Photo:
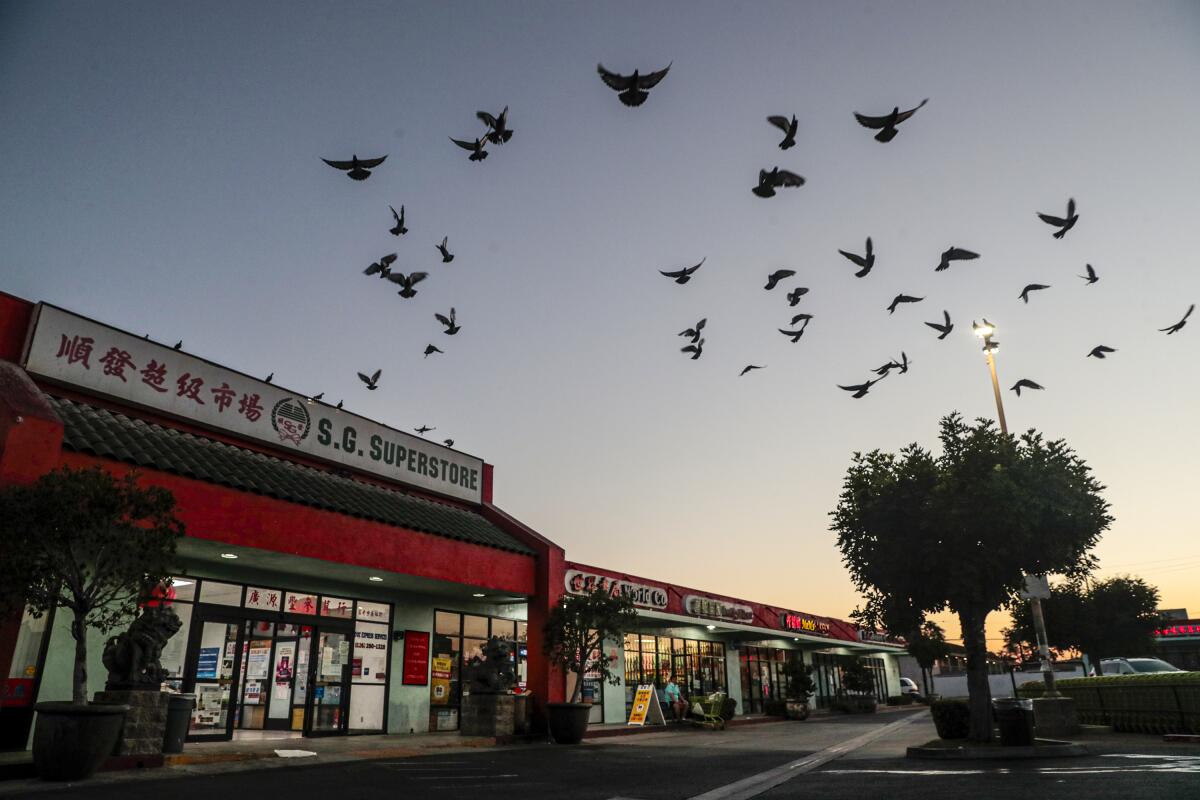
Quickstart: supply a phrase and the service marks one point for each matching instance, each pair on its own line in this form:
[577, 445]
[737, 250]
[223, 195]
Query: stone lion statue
[492, 674]
[132, 657]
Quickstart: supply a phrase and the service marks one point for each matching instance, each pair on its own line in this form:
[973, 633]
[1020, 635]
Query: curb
[1045, 748]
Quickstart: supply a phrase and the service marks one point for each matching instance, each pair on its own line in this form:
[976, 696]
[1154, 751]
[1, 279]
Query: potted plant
[800, 686]
[92, 545]
[574, 637]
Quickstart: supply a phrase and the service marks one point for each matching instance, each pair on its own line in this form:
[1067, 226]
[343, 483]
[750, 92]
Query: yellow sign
[439, 681]
[646, 707]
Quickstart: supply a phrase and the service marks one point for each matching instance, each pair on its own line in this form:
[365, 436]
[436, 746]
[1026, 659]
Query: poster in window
[439, 682]
[416, 658]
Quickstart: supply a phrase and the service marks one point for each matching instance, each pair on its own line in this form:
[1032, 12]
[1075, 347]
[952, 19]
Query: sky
[163, 176]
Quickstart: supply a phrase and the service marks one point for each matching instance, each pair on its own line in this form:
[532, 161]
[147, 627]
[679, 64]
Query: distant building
[1177, 640]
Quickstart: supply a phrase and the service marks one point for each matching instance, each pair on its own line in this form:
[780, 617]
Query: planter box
[487, 715]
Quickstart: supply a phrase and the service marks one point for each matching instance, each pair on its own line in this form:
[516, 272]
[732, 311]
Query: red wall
[14, 325]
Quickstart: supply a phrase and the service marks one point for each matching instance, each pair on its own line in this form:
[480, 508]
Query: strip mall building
[337, 573]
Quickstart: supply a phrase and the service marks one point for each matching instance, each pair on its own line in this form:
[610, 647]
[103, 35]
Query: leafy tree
[577, 628]
[86, 542]
[926, 645]
[958, 531]
[800, 685]
[1104, 619]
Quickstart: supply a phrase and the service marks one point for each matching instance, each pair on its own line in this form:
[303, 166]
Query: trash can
[1015, 718]
[179, 715]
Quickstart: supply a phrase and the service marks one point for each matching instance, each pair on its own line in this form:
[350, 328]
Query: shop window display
[456, 639]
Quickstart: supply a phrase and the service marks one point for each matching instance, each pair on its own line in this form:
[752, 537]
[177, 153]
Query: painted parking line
[763, 781]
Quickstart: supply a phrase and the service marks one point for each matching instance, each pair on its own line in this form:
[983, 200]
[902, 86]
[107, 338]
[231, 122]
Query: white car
[909, 686]
[1134, 666]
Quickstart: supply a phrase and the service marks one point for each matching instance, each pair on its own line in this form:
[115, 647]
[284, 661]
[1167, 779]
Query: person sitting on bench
[675, 701]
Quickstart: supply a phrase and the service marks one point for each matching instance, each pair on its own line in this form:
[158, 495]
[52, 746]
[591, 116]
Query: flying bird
[954, 254]
[476, 147]
[793, 297]
[448, 442]
[500, 132]
[694, 333]
[945, 327]
[902, 298]
[1063, 224]
[1091, 276]
[796, 334]
[775, 277]
[407, 282]
[357, 169]
[777, 178]
[632, 88]
[788, 128]
[1024, 383]
[382, 267]
[1033, 287]
[1178, 326]
[431, 349]
[901, 366]
[452, 327]
[371, 382]
[447, 256]
[886, 125]
[424, 429]
[749, 367]
[802, 318]
[682, 276]
[866, 262]
[398, 229]
[695, 349]
[178, 345]
[1101, 351]
[860, 389]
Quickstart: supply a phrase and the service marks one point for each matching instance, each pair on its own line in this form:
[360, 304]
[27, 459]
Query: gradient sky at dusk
[162, 175]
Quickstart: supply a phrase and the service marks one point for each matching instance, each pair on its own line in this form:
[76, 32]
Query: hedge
[1162, 702]
[952, 717]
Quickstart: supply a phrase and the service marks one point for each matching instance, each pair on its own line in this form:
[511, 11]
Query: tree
[857, 678]
[1104, 619]
[800, 685]
[86, 542]
[577, 628]
[921, 533]
[926, 645]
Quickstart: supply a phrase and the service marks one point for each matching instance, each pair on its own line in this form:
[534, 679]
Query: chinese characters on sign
[712, 608]
[641, 594]
[804, 624]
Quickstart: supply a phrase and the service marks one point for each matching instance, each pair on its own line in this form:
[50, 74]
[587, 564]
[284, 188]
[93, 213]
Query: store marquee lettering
[639, 594]
[718, 609]
[394, 454]
[799, 622]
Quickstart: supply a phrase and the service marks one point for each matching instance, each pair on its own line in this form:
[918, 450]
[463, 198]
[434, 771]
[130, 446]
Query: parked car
[1134, 666]
[909, 686]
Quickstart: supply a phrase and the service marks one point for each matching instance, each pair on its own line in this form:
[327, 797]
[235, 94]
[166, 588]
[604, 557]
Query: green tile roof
[105, 433]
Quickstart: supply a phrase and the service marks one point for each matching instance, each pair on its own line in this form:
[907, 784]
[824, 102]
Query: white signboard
[711, 607]
[74, 350]
[641, 594]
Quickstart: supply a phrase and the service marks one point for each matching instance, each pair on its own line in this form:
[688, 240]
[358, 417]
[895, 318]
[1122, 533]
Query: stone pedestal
[487, 715]
[145, 724]
[1055, 717]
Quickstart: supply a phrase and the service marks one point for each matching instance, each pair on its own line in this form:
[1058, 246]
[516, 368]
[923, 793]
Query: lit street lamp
[986, 331]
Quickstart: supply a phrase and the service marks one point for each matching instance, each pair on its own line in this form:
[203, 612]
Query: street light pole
[985, 332]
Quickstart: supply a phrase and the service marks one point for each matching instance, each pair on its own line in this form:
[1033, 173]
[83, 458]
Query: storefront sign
[879, 637]
[74, 350]
[1178, 630]
[267, 599]
[439, 678]
[640, 594]
[645, 707]
[712, 608]
[416, 658]
[804, 624]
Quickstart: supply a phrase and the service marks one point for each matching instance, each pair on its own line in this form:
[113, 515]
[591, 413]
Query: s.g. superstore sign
[76, 351]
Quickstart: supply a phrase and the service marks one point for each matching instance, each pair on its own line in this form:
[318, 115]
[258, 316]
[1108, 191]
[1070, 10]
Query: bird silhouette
[1178, 326]
[696, 349]
[382, 267]
[788, 128]
[178, 345]
[682, 276]
[407, 282]
[1101, 351]
[1063, 224]
[1033, 287]
[777, 178]
[317, 396]
[954, 254]
[775, 277]
[1091, 276]
[476, 147]
[902, 298]
[447, 256]
[448, 442]
[866, 262]
[500, 132]
[945, 327]
[339, 405]
[886, 125]
[357, 169]
[796, 334]
[901, 366]
[1024, 383]
[749, 367]
[424, 429]
[269, 378]
[632, 89]
[398, 229]
[860, 389]
[802, 318]
[372, 382]
[793, 297]
[694, 333]
[452, 327]
[431, 349]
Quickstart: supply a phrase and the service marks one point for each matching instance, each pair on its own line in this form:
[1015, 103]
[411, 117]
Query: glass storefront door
[329, 683]
[214, 668]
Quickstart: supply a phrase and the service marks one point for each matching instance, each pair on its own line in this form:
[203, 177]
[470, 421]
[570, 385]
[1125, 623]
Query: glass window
[374, 612]
[505, 629]
[223, 594]
[337, 607]
[264, 599]
[447, 623]
[174, 651]
[369, 664]
[475, 626]
[301, 603]
[182, 589]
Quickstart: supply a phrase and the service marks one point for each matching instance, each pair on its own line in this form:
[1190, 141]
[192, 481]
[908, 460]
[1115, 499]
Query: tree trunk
[79, 678]
[980, 694]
